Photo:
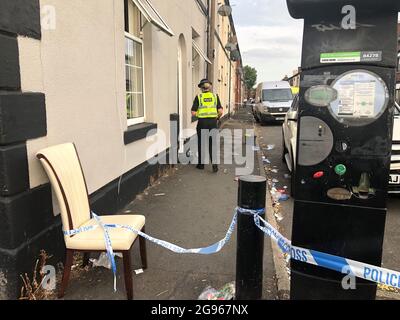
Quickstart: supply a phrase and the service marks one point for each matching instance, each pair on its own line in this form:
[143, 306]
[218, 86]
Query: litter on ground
[270, 147]
[161, 293]
[103, 260]
[227, 292]
[284, 197]
[278, 216]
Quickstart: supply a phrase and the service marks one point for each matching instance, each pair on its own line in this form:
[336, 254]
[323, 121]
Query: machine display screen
[362, 98]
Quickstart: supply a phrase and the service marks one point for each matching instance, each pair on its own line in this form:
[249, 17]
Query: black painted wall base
[27, 222]
[14, 263]
[9, 64]
[108, 201]
[14, 172]
[21, 17]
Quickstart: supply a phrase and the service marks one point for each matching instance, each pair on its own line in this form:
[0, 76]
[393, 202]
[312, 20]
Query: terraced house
[102, 74]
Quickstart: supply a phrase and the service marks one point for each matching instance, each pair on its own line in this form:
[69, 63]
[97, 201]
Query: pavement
[190, 208]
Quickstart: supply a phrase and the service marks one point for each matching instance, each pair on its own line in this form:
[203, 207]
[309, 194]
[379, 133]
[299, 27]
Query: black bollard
[250, 140]
[250, 240]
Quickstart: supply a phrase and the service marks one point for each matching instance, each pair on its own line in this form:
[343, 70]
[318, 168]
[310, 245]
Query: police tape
[343, 265]
[215, 248]
[332, 262]
[110, 252]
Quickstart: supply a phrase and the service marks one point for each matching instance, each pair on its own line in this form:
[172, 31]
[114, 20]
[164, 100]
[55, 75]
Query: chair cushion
[121, 239]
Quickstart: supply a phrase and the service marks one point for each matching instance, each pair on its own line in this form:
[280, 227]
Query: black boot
[200, 166]
[215, 168]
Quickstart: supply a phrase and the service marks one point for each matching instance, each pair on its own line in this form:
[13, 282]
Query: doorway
[181, 90]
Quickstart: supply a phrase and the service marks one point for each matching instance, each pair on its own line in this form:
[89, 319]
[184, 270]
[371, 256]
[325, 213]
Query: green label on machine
[349, 57]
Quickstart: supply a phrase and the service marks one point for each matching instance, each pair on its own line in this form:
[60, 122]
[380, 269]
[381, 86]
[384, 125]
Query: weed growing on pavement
[33, 289]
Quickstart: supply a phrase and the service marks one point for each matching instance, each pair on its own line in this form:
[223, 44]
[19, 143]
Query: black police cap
[203, 82]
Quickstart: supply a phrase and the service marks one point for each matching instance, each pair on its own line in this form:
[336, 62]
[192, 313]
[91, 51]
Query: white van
[273, 101]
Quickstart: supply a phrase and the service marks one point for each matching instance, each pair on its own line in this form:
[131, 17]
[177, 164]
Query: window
[137, 12]
[134, 80]
[135, 102]
[276, 95]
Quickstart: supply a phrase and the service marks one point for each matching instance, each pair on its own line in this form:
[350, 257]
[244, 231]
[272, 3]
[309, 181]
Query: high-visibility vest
[207, 106]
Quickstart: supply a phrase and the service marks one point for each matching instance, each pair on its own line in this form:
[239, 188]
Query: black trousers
[207, 128]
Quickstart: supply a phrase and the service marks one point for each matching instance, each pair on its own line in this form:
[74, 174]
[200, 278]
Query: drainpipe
[208, 35]
[211, 47]
[230, 89]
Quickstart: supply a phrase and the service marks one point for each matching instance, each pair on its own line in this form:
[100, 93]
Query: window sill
[138, 132]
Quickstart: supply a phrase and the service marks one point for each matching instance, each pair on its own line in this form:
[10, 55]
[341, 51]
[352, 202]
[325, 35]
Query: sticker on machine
[357, 99]
[351, 57]
[364, 98]
[346, 99]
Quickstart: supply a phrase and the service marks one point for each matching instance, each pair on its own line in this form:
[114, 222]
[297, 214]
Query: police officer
[208, 109]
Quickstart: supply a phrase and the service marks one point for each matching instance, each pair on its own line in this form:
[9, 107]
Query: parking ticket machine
[344, 139]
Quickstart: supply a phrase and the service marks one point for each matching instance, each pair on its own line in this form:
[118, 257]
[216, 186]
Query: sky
[269, 38]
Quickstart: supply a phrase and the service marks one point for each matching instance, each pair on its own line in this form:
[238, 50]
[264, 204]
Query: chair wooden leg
[128, 274]
[143, 250]
[85, 261]
[67, 271]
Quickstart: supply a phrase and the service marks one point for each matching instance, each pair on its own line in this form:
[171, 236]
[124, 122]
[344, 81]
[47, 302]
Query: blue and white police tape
[110, 252]
[215, 248]
[346, 266]
[336, 263]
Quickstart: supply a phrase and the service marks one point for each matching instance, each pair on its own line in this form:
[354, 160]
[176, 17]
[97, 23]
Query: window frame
[139, 120]
[263, 93]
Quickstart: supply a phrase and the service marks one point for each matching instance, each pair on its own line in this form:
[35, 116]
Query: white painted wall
[80, 68]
